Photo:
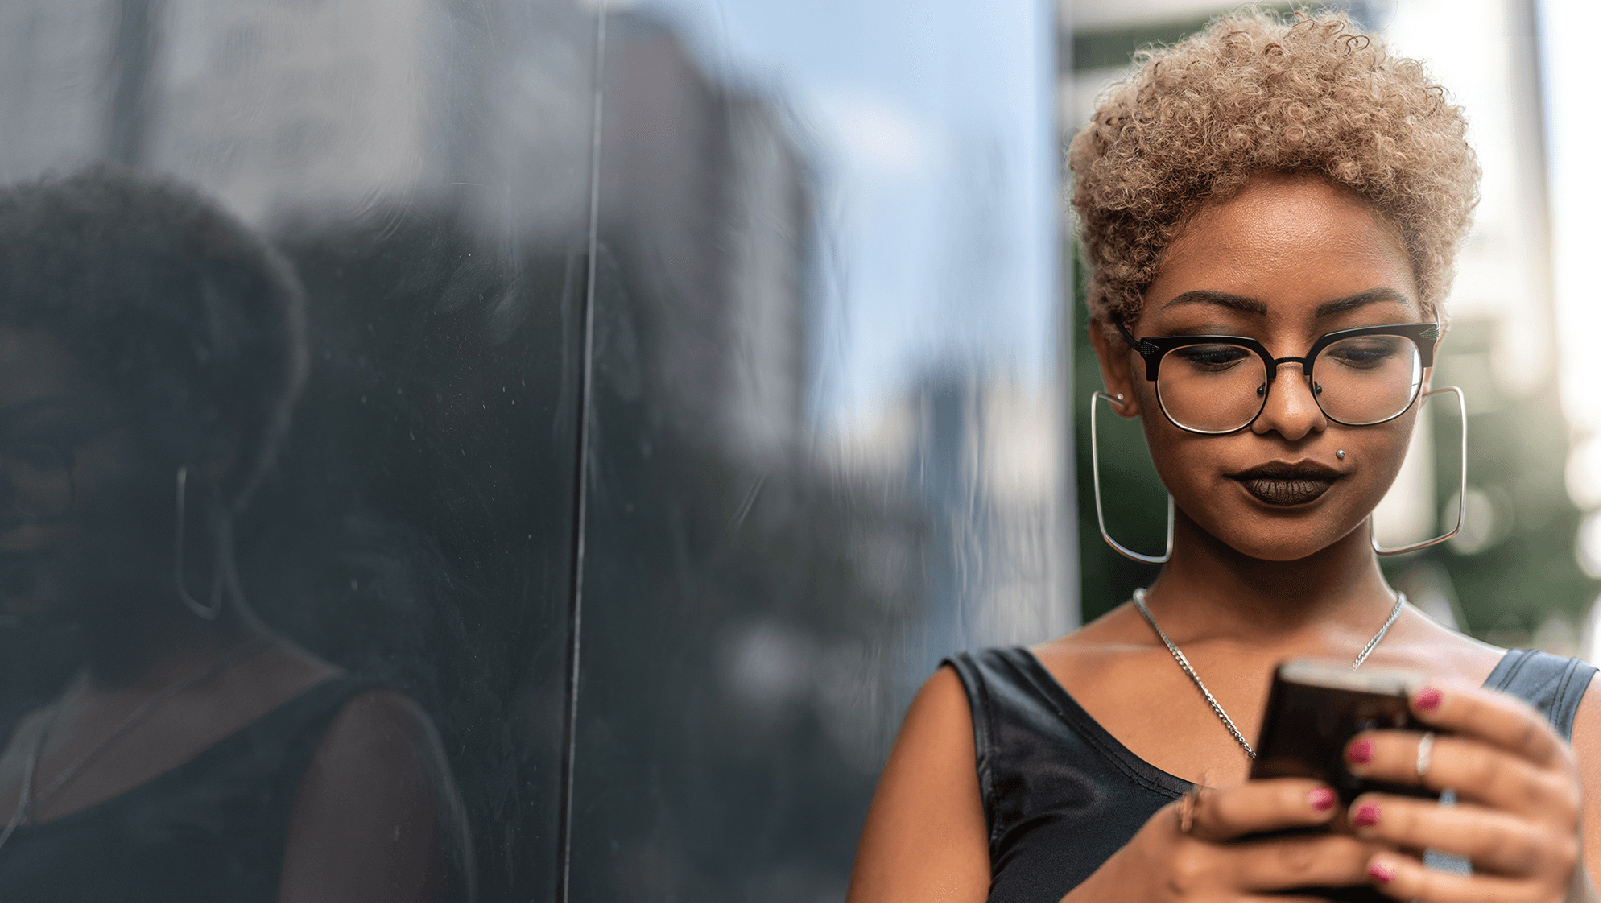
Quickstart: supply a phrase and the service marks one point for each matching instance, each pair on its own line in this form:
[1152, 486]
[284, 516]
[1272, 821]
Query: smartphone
[1314, 708]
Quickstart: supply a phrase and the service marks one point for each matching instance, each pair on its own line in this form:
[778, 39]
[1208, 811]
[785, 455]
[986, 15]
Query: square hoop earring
[1462, 487]
[1095, 472]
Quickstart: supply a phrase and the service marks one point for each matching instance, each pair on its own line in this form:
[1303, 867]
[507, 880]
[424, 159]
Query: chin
[1287, 542]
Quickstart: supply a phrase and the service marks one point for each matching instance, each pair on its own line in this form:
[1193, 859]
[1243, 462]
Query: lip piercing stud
[1340, 454]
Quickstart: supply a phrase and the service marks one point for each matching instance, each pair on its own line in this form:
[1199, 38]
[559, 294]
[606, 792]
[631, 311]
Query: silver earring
[1462, 489]
[1095, 472]
[1340, 454]
[205, 612]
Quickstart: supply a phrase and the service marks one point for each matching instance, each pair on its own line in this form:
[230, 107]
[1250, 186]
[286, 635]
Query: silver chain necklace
[1139, 602]
[28, 800]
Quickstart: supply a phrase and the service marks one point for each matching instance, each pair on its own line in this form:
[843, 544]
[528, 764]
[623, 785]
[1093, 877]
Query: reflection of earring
[1095, 471]
[206, 612]
[1462, 489]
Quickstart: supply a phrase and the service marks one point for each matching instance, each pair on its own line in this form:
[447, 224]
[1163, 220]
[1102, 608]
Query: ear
[1117, 367]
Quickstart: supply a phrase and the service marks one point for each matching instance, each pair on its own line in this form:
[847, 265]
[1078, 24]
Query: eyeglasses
[1219, 384]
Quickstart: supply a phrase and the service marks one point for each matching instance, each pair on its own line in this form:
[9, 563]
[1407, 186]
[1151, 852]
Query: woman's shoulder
[925, 832]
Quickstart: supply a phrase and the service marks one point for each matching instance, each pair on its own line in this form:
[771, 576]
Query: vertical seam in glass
[581, 476]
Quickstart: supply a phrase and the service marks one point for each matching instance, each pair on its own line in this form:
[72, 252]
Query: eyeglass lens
[1222, 387]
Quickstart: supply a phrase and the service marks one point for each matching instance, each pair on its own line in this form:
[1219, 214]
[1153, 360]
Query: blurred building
[979, 455]
[710, 184]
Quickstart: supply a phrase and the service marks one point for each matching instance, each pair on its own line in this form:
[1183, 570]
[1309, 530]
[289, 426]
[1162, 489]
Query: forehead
[1292, 243]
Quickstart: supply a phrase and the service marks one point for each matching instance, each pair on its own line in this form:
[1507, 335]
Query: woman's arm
[925, 839]
[376, 817]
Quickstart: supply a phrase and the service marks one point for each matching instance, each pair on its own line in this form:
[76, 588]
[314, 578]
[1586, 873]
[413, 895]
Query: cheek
[1184, 461]
[1382, 449]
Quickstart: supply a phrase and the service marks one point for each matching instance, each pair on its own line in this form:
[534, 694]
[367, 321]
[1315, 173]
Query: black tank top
[1061, 794]
[212, 829]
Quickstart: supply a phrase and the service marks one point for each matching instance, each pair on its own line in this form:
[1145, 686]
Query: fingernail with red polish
[1366, 816]
[1360, 752]
[1322, 799]
[1381, 873]
[1429, 698]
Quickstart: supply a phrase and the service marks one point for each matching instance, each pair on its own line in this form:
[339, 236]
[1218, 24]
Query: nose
[1291, 410]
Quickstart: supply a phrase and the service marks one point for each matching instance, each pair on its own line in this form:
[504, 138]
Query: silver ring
[1425, 754]
[1187, 810]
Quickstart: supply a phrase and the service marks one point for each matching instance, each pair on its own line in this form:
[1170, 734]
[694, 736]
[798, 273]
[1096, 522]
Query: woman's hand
[1200, 854]
[1518, 802]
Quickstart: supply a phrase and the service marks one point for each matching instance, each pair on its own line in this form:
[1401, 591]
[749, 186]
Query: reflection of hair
[1252, 94]
[168, 301]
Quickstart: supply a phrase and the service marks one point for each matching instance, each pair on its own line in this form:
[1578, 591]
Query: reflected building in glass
[656, 457]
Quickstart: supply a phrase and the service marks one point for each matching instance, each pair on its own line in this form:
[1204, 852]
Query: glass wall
[825, 441]
[675, 384]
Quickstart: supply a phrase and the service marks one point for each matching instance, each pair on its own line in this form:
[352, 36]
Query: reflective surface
[827, 420]
[684, 383]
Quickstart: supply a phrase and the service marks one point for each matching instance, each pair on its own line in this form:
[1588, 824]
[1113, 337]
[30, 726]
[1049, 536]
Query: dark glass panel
[826, 425]
[424, 165]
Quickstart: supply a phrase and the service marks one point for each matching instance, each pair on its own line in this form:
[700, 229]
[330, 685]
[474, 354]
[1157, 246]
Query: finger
[1287, 863]
[1404, 878]
[1498, 719]
[1477, 771]
[1255, 806]
[1493, 841]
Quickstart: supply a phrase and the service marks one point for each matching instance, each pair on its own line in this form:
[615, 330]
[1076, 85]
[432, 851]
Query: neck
[1209, 589]
[156, 647]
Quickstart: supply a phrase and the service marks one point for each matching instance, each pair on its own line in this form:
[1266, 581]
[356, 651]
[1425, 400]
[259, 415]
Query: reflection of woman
[150, 351]
[1295, 196]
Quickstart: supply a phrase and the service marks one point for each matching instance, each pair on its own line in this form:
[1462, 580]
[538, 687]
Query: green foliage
[1524, 569]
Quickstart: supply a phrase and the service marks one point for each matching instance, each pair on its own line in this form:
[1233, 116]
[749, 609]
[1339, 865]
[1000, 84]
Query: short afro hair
[1253, 94]
[183, 313]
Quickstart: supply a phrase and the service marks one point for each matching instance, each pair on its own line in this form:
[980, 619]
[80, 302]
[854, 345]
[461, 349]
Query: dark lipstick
[1287, 485]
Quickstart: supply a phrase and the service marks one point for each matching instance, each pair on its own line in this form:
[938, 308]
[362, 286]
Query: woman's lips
[1287, 485]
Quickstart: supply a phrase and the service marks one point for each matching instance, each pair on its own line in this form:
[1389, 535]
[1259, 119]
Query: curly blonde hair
[1254, 94]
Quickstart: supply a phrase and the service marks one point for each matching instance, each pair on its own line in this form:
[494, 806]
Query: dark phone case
[1306, 728]
[1304, 734]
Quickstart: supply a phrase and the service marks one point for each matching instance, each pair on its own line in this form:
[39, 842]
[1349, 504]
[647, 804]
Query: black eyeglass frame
[1424, 336]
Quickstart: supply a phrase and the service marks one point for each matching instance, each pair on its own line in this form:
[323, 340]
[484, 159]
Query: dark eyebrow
[1223, 299]
[1257, 308]
[1361, 299]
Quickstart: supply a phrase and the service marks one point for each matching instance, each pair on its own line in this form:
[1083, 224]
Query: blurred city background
[691, 376]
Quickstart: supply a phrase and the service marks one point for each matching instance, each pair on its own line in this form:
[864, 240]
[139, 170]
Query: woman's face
[79, 519]
[1285, 261]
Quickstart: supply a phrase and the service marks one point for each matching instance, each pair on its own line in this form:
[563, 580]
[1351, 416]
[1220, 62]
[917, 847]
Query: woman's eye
[1211, 357]
[1366, 353]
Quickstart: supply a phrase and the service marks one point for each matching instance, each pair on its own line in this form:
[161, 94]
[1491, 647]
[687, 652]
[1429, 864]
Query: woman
[1296, 188]
[151, 349]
